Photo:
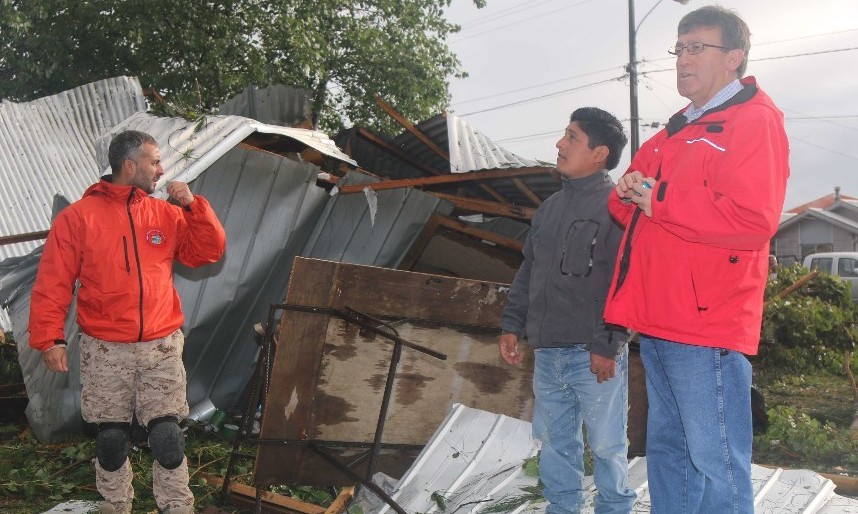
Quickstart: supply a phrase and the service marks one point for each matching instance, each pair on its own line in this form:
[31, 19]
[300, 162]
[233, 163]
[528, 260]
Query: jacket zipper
[137, 259]
[125, 251]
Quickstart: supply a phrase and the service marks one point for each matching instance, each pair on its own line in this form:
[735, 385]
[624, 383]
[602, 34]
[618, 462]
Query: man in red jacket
[700, 202]
[118, 244]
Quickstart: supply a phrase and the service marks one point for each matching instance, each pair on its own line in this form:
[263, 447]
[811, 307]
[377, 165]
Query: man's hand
[642, 195]
[180, 193]
[626, 182]
[603, 367]
[57, 359]
[508, 344]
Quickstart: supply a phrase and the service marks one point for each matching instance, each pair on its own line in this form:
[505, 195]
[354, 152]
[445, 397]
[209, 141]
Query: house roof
[820, 214]
[823, 202]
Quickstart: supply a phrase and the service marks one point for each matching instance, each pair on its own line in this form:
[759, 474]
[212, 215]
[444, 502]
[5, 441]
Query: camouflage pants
[147, 379]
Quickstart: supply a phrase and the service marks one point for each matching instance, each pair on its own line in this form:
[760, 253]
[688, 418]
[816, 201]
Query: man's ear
[600, 154]
[735, 58]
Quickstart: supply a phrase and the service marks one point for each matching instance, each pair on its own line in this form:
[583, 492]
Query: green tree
[200, 52]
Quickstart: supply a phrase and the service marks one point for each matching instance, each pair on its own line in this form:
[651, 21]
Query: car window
[847, 267]
[822, 264]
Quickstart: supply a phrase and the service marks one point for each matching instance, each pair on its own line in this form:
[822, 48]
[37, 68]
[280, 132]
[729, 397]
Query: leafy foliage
[10, 371]
[201, 53]
[797, 438]
[811, 327]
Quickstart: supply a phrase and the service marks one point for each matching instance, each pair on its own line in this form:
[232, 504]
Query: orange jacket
[119, 244]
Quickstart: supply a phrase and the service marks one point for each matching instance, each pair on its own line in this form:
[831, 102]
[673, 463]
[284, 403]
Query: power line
[793, 138]
[519, 22]
[502, 93]
[542, 97]
[503, 13]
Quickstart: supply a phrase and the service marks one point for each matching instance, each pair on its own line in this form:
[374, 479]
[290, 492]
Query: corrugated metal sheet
[469, 150]
[188, 148]
[274, 105]
[46, 148]
[474, 463]
[372, 228]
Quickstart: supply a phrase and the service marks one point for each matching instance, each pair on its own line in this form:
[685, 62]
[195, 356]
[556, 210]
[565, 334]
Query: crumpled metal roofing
[188, 148]
[46, 148]
[273, 105]
[474, 463]
[468, 150]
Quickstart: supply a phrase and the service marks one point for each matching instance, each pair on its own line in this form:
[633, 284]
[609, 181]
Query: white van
[842, 264]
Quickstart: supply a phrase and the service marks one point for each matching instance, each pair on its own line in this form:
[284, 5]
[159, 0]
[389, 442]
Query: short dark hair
[734, 31]
[126, 145]
[602, 129]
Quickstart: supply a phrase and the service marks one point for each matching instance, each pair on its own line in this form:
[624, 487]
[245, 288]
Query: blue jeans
[699, 430]
[567, 394]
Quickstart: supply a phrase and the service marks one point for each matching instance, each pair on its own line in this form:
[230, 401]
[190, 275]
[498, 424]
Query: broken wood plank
[23, 238]
[431, 144]
[267, 496]
[471, 176]
[487, 207]
[341, 501]
[537, 201]
[411, 128]
[499, 240]
[384, 145]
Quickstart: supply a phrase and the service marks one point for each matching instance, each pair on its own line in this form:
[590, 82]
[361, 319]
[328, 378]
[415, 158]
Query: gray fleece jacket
[558, 295]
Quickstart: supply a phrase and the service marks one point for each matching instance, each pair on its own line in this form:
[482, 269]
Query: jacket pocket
[577, 258]
[719, 275]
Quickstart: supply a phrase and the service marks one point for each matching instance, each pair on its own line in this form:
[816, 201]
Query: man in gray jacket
[556, 303]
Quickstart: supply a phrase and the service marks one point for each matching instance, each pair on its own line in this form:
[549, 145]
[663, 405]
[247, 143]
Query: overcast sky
[571, 52]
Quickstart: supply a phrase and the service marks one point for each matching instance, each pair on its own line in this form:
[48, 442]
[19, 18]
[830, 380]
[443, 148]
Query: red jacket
[695, 272]
[119, 244]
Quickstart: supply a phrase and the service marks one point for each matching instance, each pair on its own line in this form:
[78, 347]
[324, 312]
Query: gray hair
[734, 31]
[126, 145]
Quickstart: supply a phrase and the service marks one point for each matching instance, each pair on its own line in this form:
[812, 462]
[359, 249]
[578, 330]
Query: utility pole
[632, 68]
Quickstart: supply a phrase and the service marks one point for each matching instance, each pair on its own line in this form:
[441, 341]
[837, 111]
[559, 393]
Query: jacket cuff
[57, 343]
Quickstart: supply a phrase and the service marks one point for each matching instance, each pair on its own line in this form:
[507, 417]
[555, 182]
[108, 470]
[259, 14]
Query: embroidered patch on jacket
[155, 237]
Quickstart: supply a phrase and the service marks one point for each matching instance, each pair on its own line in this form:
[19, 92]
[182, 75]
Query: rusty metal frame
[259, 392]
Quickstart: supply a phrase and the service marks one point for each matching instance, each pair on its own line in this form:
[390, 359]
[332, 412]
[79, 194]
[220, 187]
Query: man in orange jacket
[118, 244]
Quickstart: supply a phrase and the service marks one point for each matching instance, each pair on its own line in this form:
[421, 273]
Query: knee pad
[112, 445]
[167, 442]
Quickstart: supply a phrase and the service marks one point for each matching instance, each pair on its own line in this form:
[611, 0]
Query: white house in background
[827, 224]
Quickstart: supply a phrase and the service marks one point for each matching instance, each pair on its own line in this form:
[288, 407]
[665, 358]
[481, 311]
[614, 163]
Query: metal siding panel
[46, 148]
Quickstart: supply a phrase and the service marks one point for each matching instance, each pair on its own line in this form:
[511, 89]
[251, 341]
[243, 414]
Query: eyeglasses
[693, 48]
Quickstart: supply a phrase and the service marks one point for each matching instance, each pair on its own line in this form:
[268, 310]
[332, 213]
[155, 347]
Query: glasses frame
[677, 50]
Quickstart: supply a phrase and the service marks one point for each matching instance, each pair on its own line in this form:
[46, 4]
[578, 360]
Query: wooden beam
[486, 207]
[384, 145]
[499, 240]
[23, 238]
[537, 201]
[402, 155]
[267, 496]
[341, 501]
[448, 179]
[411, 128]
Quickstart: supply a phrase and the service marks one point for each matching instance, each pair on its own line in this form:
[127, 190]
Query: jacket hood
[107, 189]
